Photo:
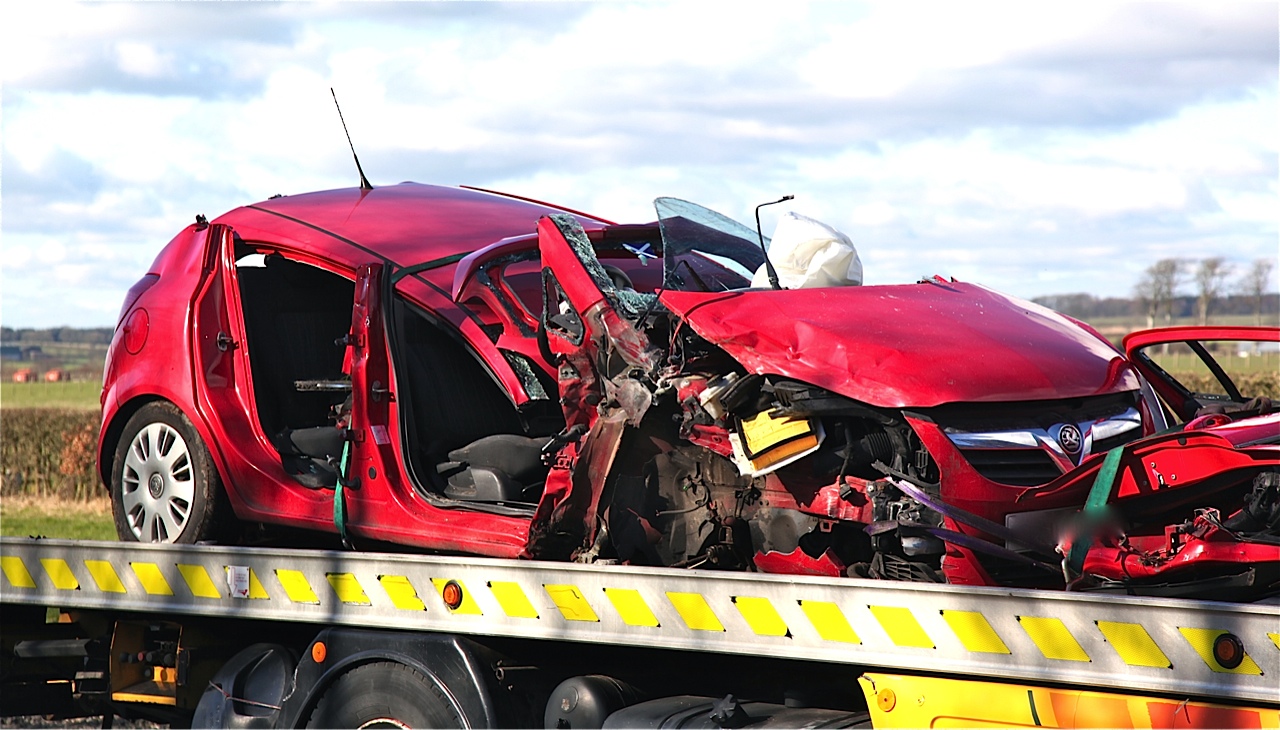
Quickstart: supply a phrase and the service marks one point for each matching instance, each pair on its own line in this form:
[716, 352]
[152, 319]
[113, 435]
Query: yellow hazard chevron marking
[975, 632]
[16, 571]
[105, 576]
[198, 580]
[256, 589]
[152, 579]
[901, 626]
[348, 589]
[295, 586]
[512, 599]
[1202, 641]
[761, 616]
[693, 608]
[402, 593]
[60, 574]
[1053, 638]
[572, 604]
[1275, 639]
[469, 607]
[829, 622]
[1134, 645]
[631, 607]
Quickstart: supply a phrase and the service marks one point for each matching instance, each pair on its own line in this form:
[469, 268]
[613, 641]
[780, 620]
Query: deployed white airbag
[809, 254]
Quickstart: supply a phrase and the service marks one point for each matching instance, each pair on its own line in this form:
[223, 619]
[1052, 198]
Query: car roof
[403, 224]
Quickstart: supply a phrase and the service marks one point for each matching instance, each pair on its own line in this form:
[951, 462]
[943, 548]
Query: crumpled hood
[904, 346]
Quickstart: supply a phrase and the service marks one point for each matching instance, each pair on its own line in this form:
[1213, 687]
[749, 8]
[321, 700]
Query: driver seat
[499, 468]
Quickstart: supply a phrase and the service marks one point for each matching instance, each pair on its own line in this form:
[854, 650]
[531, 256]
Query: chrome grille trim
[1121, 427]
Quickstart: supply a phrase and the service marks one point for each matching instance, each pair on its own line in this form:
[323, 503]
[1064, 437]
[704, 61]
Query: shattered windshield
[703, 250]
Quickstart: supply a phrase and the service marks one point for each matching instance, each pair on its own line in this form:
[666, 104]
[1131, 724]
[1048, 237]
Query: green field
[1180, 360]
[1137, 322]
[82, 395]
[56, 518]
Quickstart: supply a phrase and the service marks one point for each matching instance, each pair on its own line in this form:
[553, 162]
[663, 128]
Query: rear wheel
[384, 695]
[164, 486]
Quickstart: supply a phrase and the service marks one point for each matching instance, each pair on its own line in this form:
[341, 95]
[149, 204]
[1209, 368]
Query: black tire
[164, 485]
[384, 695]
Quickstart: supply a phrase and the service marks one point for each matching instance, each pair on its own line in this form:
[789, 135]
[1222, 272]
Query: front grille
[1102, 446]
[1015, 467]
[1026, 444]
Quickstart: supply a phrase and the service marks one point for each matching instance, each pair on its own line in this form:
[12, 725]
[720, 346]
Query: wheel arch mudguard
[269, 685]
[462, 669]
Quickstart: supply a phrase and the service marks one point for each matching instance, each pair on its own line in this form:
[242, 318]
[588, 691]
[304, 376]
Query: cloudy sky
[1037, 148]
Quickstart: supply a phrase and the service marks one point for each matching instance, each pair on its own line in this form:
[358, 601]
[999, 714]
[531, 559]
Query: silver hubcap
[157, 484]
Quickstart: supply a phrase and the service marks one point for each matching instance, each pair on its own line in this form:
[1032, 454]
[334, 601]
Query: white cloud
[1027, 145]
[877, 213]
[899, 44]
[142, 59]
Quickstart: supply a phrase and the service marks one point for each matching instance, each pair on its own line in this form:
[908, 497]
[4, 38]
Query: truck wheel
[164, 486]
[385, 695]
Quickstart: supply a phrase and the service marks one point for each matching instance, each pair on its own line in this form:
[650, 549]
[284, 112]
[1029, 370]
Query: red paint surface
[914, 345]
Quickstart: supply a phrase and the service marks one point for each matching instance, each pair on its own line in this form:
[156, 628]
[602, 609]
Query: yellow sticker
[152, 580]
[60, 573]
[830, 622]
[695, 611]
[198, 580]
[975, 632]
[512, 599]
[1053, 638]
[402, 593]
[762, 431]
[348, 589]
[572, 604]
[761, 616]
[631, 607]
[105, 576]
[902, 627]
[1134, 645]
[16, 571]
[296, 586]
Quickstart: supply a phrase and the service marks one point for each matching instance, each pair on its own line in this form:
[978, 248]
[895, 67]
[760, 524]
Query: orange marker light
[318, 652]
[452, 595]
[1228, 651]
[886, 699]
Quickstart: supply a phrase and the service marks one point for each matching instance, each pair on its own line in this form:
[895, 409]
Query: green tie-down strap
[1095, 507]
[339, 502]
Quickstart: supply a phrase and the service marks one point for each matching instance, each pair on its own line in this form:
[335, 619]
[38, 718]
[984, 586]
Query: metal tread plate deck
[1125, 643]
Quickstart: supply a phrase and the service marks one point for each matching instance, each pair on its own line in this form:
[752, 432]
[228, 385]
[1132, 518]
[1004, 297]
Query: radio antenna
[768, 265]
[364, 181]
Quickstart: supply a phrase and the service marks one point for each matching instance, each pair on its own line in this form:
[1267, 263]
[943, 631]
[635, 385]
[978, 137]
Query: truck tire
[164, 485]
[384, 695]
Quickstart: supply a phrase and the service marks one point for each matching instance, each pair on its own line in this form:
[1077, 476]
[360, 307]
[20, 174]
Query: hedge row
[1251, 385]
[48, 452]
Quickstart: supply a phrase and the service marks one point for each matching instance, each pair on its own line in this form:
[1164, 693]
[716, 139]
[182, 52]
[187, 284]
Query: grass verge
[81, 395]
[24, 516]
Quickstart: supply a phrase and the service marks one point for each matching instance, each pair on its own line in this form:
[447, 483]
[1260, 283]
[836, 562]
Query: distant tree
[39, 335]
[1255, 283]
[1210, 277]
[1077, 305]
[1158, 288]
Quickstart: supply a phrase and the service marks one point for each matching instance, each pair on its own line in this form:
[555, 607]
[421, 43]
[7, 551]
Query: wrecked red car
[460, 371]
[1194, 511]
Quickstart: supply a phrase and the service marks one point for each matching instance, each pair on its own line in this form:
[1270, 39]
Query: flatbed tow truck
[213, 636]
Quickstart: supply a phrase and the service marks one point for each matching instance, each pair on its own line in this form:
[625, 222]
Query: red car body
[1195, 511]
[494, 376]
